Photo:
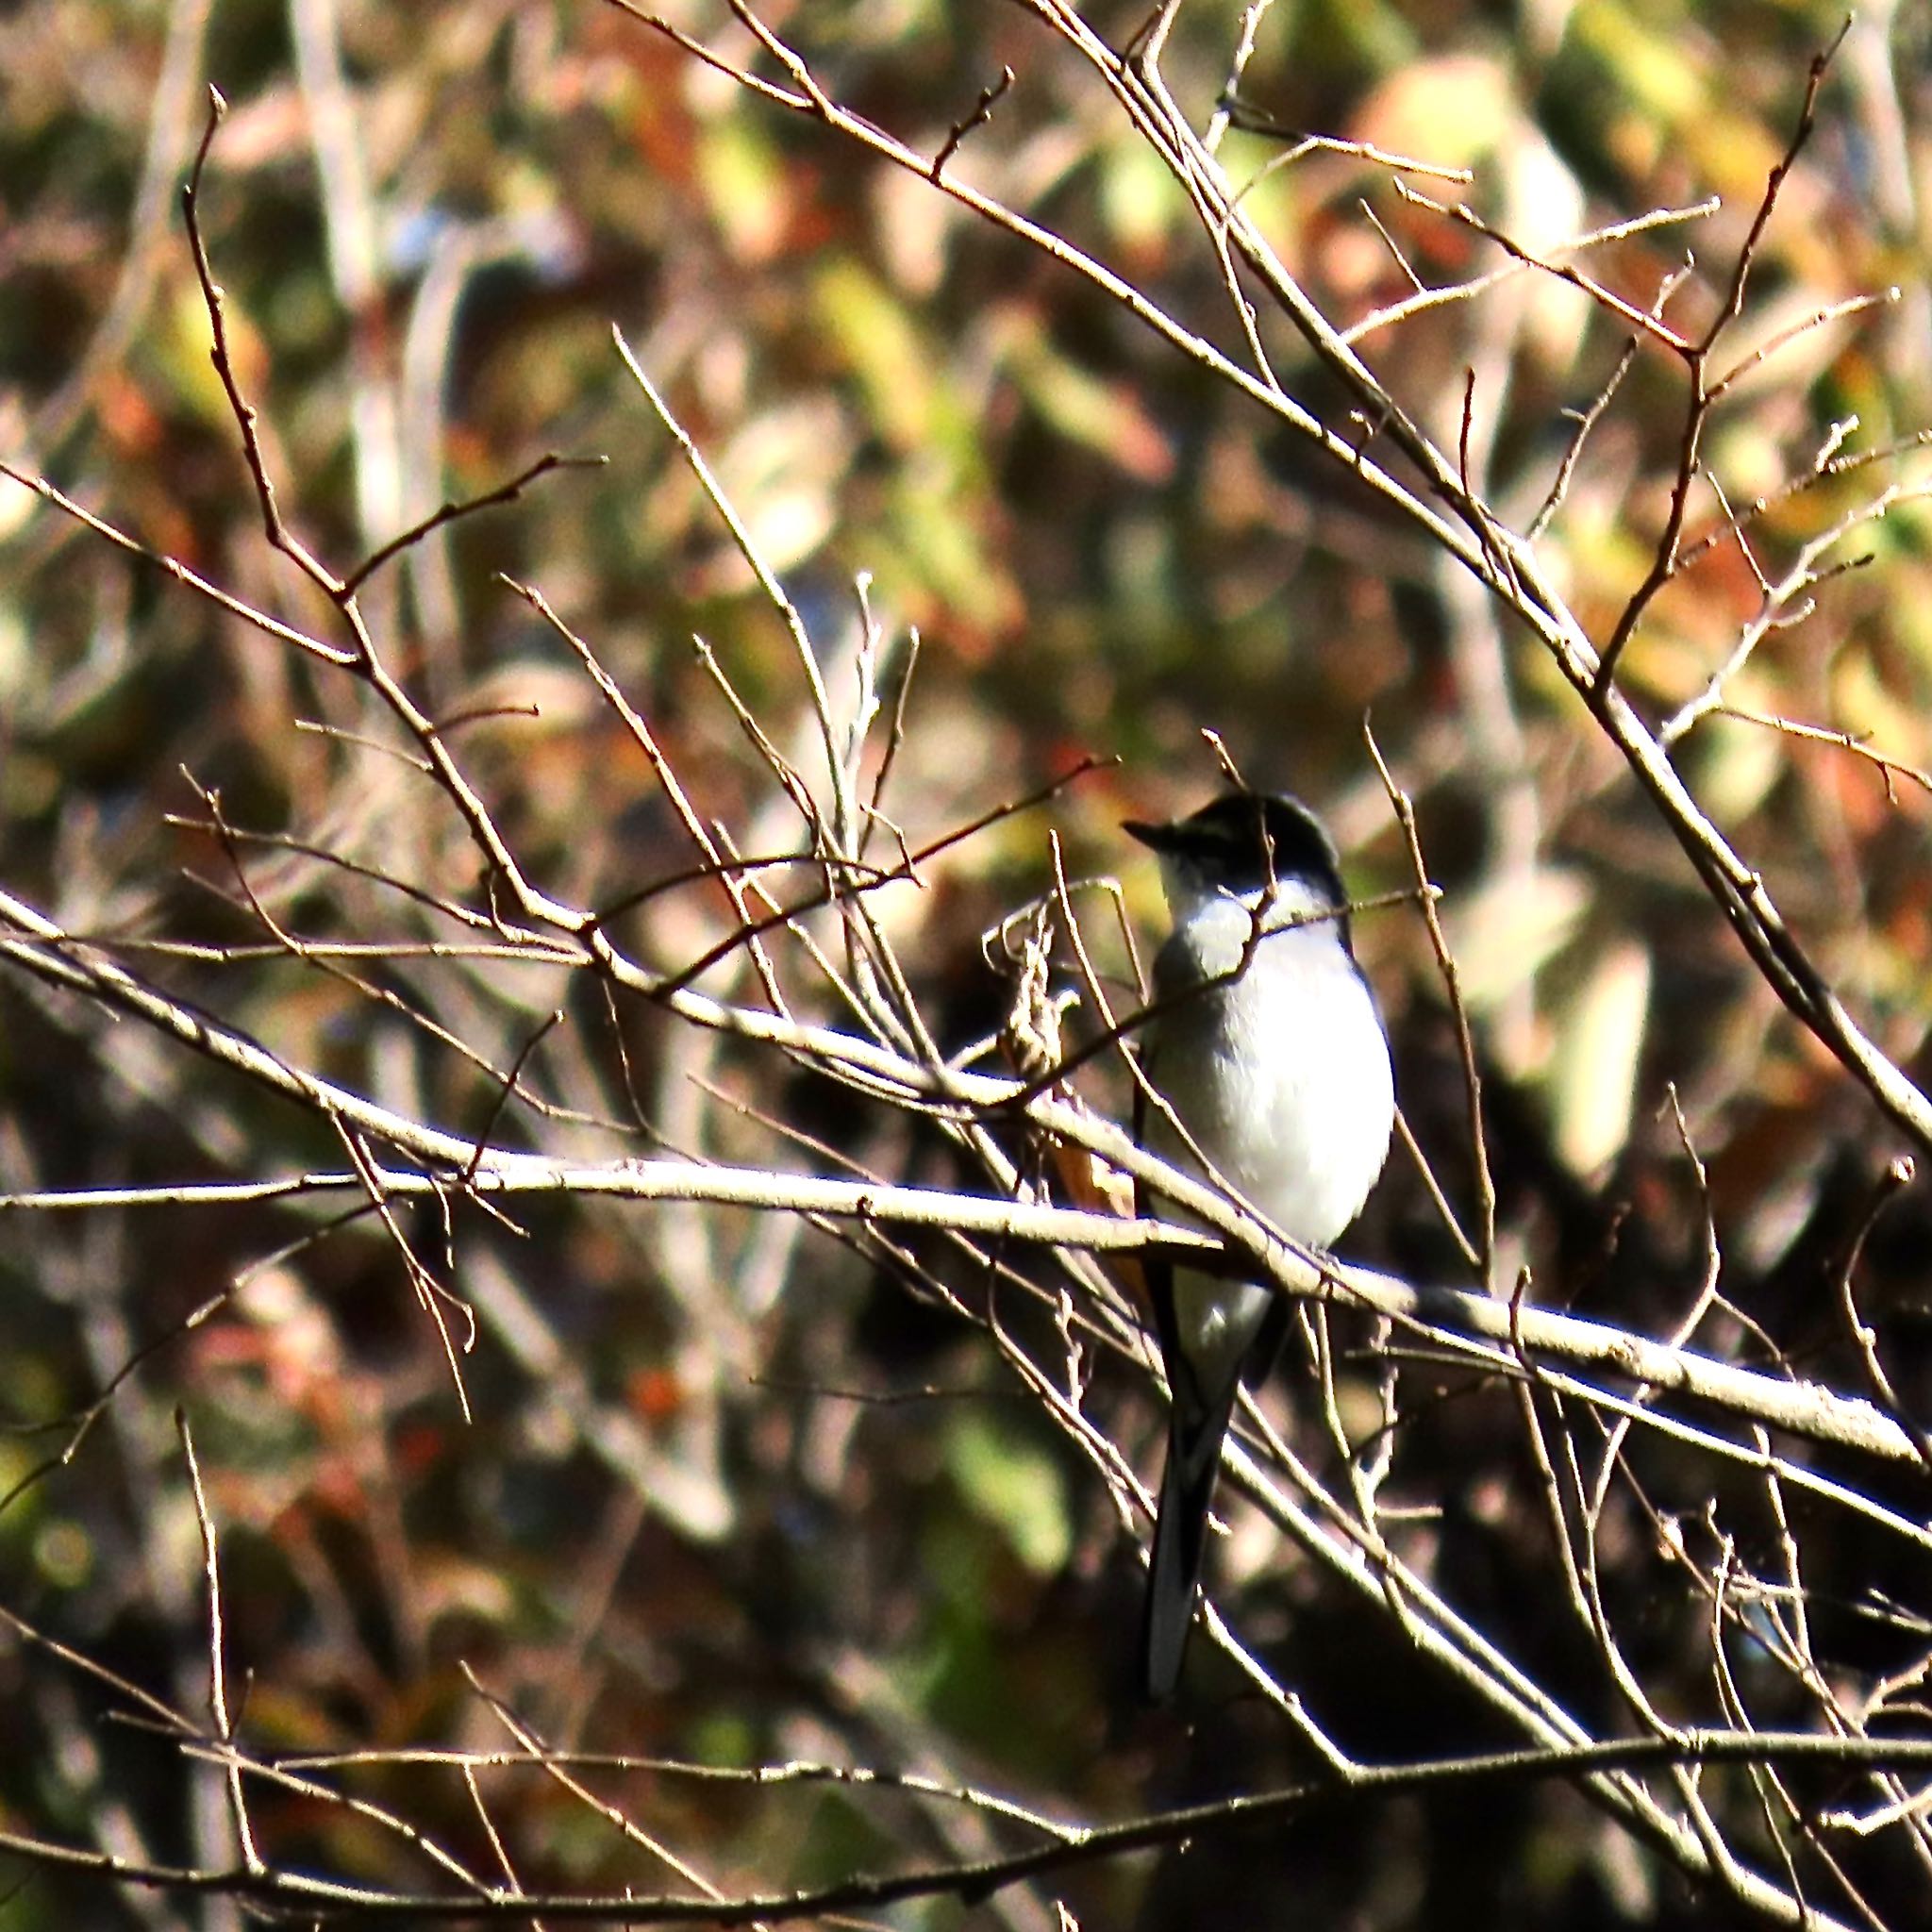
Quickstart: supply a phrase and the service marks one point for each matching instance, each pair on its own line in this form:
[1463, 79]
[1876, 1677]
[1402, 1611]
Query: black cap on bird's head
[1245, 842]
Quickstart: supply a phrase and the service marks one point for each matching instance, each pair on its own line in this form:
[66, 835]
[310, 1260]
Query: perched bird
[1267, 1047]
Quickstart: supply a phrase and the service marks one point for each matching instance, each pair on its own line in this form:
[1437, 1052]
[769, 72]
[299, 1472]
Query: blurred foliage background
[699, 1513]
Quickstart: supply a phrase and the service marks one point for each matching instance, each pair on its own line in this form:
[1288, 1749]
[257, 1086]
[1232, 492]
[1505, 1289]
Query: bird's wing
[1202, 1398]
[1174, 1568]
[1204, 1384]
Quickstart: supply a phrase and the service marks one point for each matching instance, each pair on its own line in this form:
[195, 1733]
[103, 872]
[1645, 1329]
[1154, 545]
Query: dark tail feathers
[1180, 1538]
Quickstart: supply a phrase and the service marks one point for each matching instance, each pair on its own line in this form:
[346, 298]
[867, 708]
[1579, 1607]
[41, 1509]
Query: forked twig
[1699, 394]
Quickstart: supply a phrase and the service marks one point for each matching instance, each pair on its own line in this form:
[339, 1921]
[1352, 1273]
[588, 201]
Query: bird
[1269, 1054]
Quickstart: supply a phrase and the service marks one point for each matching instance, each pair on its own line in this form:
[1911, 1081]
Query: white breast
[1281, 1077]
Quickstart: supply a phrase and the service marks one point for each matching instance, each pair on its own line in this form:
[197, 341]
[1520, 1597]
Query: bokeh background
[733, 1491]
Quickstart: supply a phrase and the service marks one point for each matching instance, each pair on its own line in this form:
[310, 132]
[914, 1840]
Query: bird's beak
[1159, 838]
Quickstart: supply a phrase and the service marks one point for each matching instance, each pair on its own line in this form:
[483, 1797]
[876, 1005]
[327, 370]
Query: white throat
[1217, 927]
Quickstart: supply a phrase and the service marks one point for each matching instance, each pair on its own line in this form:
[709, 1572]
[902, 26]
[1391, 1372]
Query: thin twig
[450, 511]
[977, 116]
[1425, 897]
[217, 1648]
